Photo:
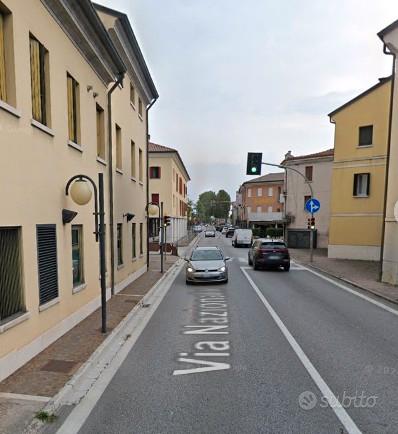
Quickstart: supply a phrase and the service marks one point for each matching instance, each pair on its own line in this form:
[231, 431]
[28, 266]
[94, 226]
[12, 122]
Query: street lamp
[81, 193]
[153, 209]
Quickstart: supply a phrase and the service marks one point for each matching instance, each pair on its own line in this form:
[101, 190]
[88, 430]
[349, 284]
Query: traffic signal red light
[309, 223]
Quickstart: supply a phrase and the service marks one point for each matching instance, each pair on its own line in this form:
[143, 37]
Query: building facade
[168, 183]
[58, 64]
[359, 171]
[260, 201]
[317, 168]
[389, 36]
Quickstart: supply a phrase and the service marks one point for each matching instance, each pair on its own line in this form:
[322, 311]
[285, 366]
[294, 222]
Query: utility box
[300, 238]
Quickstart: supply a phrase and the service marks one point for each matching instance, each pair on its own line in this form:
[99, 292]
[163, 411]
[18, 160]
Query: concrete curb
[349, 282]
[99, 360]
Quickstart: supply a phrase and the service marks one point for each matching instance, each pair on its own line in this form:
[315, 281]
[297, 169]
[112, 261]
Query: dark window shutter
[159, 172]
[368, 185]
[354, 193]
[47, 262]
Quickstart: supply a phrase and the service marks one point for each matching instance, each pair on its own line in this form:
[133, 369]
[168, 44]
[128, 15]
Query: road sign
[312, 205]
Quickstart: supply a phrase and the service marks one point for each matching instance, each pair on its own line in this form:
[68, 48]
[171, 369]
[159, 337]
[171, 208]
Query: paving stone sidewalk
[363, 274]
[50, 370]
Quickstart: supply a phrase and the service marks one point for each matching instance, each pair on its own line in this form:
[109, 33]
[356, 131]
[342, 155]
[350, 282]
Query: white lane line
[24, 397]
[340, 412]
[351, 291]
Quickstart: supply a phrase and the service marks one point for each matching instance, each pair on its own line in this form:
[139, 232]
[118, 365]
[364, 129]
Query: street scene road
[270, 351]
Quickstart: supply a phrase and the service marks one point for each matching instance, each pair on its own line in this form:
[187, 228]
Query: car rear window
[206, 255]
[273, 244]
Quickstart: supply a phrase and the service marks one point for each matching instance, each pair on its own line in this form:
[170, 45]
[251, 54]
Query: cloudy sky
[258, 75]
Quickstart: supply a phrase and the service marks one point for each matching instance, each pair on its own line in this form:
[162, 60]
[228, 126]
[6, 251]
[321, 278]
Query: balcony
[265, 216]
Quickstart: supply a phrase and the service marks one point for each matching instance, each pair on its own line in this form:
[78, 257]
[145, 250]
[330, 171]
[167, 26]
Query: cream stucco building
[61, 68]
[168, 183]
[317, 168]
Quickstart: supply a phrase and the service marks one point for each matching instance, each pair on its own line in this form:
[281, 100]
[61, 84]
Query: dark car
[266, 252]
[230, 233]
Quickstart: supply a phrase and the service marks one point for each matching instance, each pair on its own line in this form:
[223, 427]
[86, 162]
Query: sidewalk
[362, 274]
[43, 376]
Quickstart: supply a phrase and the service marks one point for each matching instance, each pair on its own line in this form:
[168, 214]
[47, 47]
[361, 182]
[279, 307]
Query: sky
[258, 75]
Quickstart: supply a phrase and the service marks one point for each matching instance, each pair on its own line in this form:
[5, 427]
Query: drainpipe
[383, 229]
[119, 81]
[147, 180]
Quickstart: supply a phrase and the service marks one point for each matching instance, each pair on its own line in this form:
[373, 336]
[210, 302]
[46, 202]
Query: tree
[205, 205]
[223, 204]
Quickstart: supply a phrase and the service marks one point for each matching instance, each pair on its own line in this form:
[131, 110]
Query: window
[259, 191]
[3, 85]
[141, 238]
[132, 156]
[270, 208]
[140, 107]
[308, 172]
[11, 293]
[119, 244]
[47, 262]
[249, 192]
[270, 192]
[180, 189]
[361, 184]
[155, 198]
[119, 161]
[365, 135]
[259, 209]
[177, 182]
[154, 172]
[77, 255]
[100, 132]
[40, 84]
[306, 199]
[73, 109]
[249, 209]
[140, 166]
[7, 79]
[132, 94]
[133, 241]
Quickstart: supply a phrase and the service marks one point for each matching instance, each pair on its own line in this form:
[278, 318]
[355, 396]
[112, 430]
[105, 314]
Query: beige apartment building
[168, 183]
[389, 257]
[259, 202]
[317, 168]
[61, 66]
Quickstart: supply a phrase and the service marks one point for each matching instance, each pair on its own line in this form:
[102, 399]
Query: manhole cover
[64, 366]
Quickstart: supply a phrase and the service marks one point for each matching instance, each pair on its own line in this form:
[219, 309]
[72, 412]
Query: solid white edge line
[83, 409]
[351, 291]
[338, 409]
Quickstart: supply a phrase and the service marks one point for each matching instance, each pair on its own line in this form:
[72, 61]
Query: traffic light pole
[162, 230]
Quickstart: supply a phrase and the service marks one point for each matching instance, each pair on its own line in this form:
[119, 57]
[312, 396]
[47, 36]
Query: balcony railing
[265, 216]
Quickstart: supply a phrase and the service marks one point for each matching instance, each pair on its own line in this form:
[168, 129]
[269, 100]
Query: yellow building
[60, 73]
[359, 171]
[168, 183]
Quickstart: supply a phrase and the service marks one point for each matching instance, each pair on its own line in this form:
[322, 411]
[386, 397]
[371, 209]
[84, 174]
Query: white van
[242, 237]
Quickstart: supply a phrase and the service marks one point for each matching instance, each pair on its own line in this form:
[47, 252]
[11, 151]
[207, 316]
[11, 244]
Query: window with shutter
[3, 92]
[361, 187]
[100, 132]
[365, 135]
[47, 262]
[11, 292]
[119, 244]
[132, 157]
[119, 160]
[141, 238]
[39, 81]
[134, 241]
[73, 109]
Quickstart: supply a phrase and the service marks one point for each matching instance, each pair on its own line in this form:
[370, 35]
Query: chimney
[288, 155]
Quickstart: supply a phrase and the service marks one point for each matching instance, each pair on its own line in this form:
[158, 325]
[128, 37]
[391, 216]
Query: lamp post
[81, 194]
[154, 209]
[312, 195]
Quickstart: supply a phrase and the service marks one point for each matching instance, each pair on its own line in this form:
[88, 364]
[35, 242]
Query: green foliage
[212, 204]
[274, 232]
[45, 417]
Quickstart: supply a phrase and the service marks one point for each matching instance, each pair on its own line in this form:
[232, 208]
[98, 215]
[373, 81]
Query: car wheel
[255, 265]
[249, 260]
[188, 282]
[286, 267]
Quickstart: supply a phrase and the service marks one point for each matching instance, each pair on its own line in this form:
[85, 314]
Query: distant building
[259, 202]
[317, 168]
[359, 171]
[168, 180]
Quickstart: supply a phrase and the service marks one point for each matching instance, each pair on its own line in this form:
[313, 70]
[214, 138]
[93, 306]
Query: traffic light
[308, 223]
[166, 220]
[254, 163]
[312, 222]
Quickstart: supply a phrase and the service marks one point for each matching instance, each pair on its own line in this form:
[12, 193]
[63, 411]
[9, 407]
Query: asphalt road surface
[269, 352]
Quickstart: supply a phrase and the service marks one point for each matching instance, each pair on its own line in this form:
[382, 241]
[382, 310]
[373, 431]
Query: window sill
[14, 322]
[132, 105]
[101, 160]
[141, 182]
[10, 109]
[119, 267]
[119, 171]
[133, 179]
[42, 127]
[361, 196]
[79, 288]
[364, 146]
[141, 255]
[49, 304]
[134, 259]
[75, 146]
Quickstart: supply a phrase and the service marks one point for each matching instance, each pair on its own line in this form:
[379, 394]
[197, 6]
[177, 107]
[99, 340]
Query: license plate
[273, 257]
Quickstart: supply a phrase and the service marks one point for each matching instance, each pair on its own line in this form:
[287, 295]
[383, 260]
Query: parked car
[207, 264]
[242, 237]
[266, 252]
[210, 233]
[197, 229]
[224, 230]
[230, 232]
